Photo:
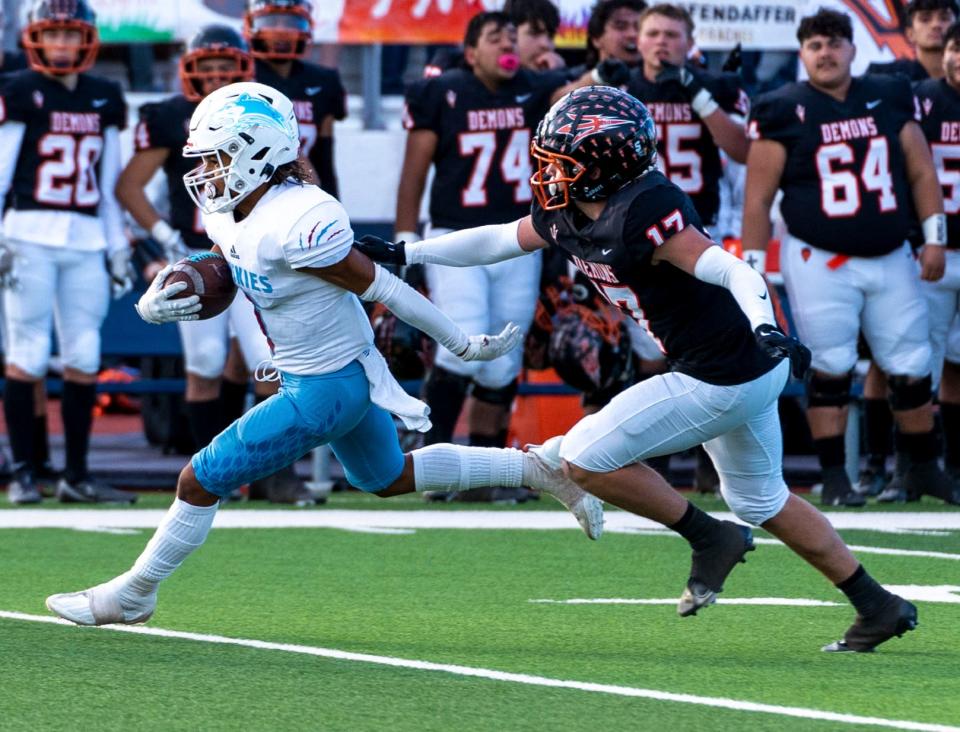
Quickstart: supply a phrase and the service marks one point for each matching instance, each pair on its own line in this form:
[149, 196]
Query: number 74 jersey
[58, 167]
[844, 182]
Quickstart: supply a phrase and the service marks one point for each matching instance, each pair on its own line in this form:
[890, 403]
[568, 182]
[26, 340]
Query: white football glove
[7, 278]
[171, 240]
[121, 272]
[156, 307]
[488, 347]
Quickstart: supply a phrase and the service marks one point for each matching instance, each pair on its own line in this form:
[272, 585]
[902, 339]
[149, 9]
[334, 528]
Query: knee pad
[828, 392]
[755, 511]
[502, 397]
[905, 394]
[81, 351]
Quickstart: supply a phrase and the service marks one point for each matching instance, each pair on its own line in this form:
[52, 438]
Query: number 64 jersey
[844, 182]
[61, 157]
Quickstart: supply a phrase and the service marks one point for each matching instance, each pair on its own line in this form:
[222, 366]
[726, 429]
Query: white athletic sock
[447, 467]
[183, 529]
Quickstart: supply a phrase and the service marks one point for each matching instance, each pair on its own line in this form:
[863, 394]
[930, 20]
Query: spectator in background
[216, 56]
[926, 23]
[537, 22]
[613, 30]
[475, 124]
[845, 262]
[279, 33]
[56, 231]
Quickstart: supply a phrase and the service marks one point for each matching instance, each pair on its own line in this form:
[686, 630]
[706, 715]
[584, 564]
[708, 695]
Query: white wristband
[756, 258]
[704, 104]
[935, 230]
[408, 236]
[162, 232]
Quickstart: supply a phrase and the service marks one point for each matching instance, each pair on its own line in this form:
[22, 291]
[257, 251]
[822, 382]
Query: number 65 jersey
[59, 164]
[940, 120]
[844, 182]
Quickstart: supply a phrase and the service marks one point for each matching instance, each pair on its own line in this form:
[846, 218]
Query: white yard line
[493, 675]
[616, 521]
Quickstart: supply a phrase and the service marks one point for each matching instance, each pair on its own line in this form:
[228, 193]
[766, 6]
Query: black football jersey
[844, 182]
[940, 119]
[685, 147]
[12, 61]
[482, 160]
[316, 91]
[699, 326]
[165, 125]
[908, 67]
[58, 167]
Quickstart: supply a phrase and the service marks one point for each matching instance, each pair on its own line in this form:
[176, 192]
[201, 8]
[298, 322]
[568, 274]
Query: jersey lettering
[840, 195]
[515, 165]
[68, 173]
[949, 177]
[682, 165]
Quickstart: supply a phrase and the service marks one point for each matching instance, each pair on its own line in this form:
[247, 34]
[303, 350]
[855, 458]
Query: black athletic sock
[233, 398]
[18, 411]
[41, 441]
[206, 420]
[950, 419]
[864, 592]
[76, 406]
[878, 431]
[920, 447]
[498, 440]
[444, 393]
[831, 451]
[696, 527]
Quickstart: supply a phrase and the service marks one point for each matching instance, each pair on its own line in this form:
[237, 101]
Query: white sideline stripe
[490, 674]
[878, 550]
[38, 518]
[781, 601]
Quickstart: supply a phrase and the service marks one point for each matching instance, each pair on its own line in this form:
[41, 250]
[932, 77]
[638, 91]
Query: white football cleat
[102, 605]
[587, 509]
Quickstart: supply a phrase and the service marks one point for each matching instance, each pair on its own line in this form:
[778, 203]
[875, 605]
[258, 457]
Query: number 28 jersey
[844, 181]
[482, 158]
[940, 119]
[59, 163]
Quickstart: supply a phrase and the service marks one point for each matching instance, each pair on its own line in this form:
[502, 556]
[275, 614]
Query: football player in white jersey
[289, 245]
[59, 133]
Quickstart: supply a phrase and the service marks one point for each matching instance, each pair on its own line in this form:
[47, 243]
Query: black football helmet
[278, 29]
[45, 16]
[590, 349]
[591, 143]
[408, 352]
[214, 42]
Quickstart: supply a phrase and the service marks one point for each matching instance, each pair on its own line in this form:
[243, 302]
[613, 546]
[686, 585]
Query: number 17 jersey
[844, 182]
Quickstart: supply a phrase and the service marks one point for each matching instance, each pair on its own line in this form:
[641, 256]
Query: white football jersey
[313, 327]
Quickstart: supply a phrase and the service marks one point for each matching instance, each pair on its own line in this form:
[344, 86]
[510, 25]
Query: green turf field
[464, 598]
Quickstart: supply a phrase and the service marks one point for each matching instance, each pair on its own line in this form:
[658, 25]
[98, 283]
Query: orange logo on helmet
[884, 30]
[589, 124]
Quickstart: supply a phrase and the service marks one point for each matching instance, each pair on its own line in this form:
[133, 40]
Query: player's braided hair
[297, 171]
[825, 22]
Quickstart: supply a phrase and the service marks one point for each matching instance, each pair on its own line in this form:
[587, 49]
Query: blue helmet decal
[246, 111]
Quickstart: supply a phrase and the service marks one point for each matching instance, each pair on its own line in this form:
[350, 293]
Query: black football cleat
[838, 491]
[712, 565]
[894, 619]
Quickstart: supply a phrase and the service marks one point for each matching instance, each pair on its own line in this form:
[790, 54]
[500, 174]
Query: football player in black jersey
[475, 124]
[612, 29]
[60, 137]
[939, 102]
[279, 33]
[637, 236]
[216, 56]
[846, 263]
[926, 22]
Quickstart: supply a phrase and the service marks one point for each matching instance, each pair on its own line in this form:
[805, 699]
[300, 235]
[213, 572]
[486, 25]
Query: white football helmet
[250, 130]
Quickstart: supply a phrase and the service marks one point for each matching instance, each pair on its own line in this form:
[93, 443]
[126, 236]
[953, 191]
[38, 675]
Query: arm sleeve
[320, 238]
[469, 247]
[11, 138]
[413, 308]
[718, 267]
[109, 209]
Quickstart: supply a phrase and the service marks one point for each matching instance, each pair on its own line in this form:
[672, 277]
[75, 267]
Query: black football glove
[612, 72]
[778, 344]
[734, 60]
[380, 250]
[681, 76]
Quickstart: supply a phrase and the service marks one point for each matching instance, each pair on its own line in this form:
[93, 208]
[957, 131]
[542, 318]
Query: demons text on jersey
[848, 129]
[509, 118]
[595, 271]
[83, 123]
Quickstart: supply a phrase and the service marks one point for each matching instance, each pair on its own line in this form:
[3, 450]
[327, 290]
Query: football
[207, 274]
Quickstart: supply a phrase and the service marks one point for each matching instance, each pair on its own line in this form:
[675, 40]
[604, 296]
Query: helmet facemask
[278, 33]
[193, 79]
[554, 175]
[37, 50]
